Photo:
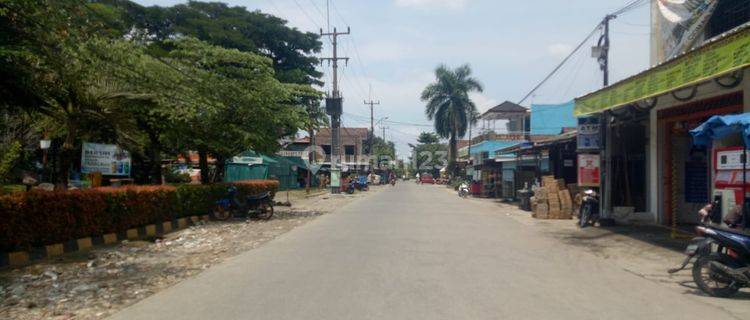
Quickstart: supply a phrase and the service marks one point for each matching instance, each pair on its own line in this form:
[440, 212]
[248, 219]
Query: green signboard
[722, 56]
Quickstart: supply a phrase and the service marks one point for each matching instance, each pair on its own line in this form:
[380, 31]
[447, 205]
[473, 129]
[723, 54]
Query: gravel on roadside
[96, 284]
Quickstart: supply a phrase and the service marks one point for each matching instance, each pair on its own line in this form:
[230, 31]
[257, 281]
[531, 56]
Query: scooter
[463, 190]
[258, 206]
[722, 259]
[589, 212]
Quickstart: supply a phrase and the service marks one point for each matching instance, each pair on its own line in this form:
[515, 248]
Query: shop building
[650, 169]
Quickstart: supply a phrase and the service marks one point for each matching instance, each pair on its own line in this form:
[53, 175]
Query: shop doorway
[687, 170]
[629, 165]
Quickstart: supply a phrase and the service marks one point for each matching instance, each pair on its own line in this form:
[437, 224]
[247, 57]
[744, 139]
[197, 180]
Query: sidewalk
[643, 250]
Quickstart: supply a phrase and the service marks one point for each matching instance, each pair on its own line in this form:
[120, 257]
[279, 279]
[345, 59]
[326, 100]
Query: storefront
[522, 167]
[651, 170]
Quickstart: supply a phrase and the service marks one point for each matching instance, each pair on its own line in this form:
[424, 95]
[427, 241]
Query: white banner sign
[107, 159]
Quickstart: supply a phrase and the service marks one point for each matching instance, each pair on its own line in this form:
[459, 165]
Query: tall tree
[290, 50]
[252, 108]
[449, 105]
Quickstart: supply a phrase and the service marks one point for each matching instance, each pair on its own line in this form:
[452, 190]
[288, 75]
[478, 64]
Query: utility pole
[372, 105]
[384, 127]
[334, 106]
[604, 47]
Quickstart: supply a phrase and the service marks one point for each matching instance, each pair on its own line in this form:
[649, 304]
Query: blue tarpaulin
[718, 127]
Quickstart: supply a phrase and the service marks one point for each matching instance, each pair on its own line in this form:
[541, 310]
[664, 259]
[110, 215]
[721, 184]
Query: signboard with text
[588, 133]
[589, 170]
[722, 56]
[107, 159]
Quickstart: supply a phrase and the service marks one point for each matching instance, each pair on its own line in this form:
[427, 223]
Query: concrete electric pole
[334, 108]
[372, 105]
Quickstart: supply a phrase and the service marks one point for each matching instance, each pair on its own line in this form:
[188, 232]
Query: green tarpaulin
[272, 167]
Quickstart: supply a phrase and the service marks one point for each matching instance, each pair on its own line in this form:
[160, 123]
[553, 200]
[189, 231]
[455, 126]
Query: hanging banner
[589, 170]
[679, 25]
[107, 159]
[248, 160]
[705, 63]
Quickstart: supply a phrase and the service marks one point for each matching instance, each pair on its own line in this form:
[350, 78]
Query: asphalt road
[418, 252]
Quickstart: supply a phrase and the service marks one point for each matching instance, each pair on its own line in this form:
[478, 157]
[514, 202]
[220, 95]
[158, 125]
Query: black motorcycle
[722, 258]
[589, 212]
[258, 206]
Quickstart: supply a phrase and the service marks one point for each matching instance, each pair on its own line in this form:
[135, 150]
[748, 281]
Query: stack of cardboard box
[539, 205]
[552, 200]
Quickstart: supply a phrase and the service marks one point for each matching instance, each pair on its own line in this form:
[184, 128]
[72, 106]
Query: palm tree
[449, 105]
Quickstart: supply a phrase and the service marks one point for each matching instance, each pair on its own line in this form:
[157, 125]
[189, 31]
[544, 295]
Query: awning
[723, 55]
[718, 127]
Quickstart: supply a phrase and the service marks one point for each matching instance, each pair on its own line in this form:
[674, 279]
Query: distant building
[353, 145]
[296, 147]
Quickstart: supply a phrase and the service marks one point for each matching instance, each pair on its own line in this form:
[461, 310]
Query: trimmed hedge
[37, 218]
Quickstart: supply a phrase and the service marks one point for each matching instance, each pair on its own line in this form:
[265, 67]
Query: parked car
[426, 178]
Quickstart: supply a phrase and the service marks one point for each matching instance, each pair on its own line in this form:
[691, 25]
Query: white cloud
[559, 50]
[483, 102]
[449, 4]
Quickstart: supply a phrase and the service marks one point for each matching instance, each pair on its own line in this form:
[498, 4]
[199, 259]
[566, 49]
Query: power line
[604, 24]
[591, 34]
[306, 14]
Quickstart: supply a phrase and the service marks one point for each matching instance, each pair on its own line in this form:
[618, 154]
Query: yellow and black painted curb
[21, 258]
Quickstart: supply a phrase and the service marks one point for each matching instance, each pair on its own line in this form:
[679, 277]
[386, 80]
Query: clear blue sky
[511, 46]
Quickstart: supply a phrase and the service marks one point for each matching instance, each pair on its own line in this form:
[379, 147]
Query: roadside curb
[22, 258]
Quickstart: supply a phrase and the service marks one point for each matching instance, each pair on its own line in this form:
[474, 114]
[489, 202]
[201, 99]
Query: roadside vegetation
[157, 81]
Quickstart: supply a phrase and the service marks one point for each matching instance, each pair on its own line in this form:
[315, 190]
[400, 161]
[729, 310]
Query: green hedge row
[37, 218]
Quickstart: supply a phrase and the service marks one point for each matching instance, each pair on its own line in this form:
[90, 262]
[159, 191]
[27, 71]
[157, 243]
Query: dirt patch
[96, 284]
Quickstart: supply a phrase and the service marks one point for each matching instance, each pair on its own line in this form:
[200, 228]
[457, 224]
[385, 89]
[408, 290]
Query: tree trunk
[452, 167]
[66, 155]
[203, 165]
[155, 155]
[220, 166]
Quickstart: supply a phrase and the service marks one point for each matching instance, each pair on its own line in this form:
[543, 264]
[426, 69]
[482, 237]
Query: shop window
[349, 150]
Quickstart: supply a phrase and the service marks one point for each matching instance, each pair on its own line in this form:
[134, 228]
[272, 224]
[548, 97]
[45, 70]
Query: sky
[395, 46]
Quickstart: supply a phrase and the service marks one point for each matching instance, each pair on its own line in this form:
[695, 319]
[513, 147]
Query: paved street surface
[419, 252]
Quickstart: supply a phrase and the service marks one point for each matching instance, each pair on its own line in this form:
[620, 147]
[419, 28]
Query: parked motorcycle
[463, 190]
[258, 206]
[351, 186]
[722, 257]
[722, 264]
[361, 184]
[589, 212]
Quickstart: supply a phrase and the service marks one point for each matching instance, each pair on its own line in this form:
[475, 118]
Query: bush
[38, 218]
[200, 199]
[172, 176]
